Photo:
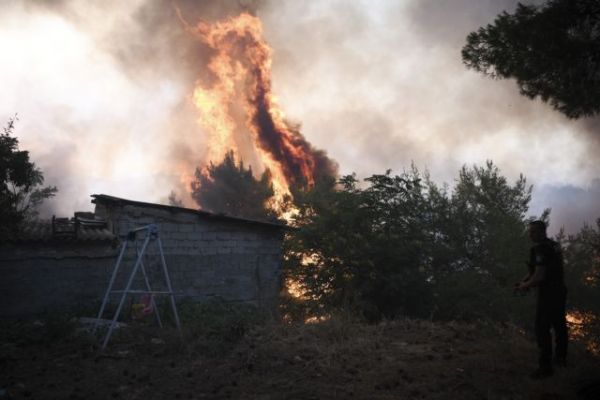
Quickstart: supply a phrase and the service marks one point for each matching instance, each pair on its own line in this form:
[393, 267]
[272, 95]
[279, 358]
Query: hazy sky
[103, 90]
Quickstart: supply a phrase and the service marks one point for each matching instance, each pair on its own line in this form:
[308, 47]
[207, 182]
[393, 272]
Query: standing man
[546, 273]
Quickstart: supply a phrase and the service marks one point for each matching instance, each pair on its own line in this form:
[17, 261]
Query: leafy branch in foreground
[552, 50]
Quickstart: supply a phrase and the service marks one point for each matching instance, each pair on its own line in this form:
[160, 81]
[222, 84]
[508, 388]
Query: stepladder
[149, 236]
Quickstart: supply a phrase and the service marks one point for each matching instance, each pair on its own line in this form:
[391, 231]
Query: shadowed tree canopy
[402, 245]
[230, 188]
[21, 189]
[552, 50]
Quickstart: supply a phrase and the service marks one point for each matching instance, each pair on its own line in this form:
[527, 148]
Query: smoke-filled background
[103, 92]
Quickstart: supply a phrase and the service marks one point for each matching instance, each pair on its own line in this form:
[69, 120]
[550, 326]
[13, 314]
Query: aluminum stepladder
[151, 232]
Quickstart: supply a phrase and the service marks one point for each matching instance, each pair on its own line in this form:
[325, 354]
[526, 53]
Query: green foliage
[552, 50]
[488, 245]
[232, 189]
[582, 267]
[358, 249]
[582, 276]
[487, 230]
[468, 295]
[218, 324]
[403, 245]
[21, 189]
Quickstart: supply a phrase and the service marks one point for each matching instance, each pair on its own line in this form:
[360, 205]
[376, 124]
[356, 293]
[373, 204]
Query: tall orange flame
[239, 111]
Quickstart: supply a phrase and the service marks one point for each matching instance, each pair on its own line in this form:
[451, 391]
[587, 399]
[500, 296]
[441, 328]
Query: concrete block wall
[207, 258]
[35, 278]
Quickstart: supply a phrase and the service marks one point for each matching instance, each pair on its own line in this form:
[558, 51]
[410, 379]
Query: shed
[58, 264]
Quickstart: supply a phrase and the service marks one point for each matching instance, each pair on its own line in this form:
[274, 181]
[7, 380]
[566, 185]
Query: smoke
[103, 92]
[301, 162]
[271, 139]
[445, 22]
[382, 84]
[238, 104]
[572, 206]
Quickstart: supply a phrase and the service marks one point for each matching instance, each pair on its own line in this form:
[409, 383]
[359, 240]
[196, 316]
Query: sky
[103, 96]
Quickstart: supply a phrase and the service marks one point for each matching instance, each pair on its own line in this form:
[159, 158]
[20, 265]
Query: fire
[581, 325]
[238, 109]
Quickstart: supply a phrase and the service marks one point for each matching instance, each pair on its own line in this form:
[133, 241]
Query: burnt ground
[337, 359]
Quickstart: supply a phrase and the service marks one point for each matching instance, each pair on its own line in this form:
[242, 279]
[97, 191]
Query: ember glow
[238, 109]
[581, 325]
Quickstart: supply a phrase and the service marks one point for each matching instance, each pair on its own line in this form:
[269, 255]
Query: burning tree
[238, 110]
[232, 189]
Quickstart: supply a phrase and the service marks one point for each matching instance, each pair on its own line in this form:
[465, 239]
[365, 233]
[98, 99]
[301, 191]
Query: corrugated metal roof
[103, 198]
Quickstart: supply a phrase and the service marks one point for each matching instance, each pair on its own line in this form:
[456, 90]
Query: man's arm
[535, 279]
[530, 273]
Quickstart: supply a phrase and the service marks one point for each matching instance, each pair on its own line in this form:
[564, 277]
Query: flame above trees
[238, 109]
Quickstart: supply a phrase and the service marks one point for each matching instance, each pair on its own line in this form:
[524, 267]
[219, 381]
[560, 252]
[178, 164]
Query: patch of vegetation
[402, 245]
[215, 326]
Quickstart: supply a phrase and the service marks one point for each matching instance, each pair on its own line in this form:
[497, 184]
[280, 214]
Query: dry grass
[337, 359]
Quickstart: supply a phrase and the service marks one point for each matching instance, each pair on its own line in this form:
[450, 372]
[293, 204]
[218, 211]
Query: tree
[21, 190]
[174, 200]
[582, 265]
[487, 212]
[552, 50]
[361, 250]
[582, 276]
[404, 246]
[230, 188]
[487, 244]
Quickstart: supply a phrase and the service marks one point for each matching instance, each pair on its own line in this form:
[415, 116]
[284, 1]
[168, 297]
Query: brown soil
[403, 359]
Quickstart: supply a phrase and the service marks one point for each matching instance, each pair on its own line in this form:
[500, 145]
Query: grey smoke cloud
[572, 206]
[388, 87]
[103, 90]
[448, 22]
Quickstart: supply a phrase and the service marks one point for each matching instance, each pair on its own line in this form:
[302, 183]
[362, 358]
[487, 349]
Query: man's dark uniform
[550, 311]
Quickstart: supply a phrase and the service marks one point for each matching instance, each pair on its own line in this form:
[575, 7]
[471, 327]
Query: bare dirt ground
[337, 359]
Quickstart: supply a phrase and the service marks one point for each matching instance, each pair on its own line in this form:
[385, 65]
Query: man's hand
[521, 287]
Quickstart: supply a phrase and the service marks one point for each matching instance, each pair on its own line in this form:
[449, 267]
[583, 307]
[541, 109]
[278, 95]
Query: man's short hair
[539, 224]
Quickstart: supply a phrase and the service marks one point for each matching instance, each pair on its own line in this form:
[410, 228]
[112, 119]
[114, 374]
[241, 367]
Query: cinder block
[238, 250]
[177, 235]
[201, 226]
[169, 227]
[186, 228]
[197, 236]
